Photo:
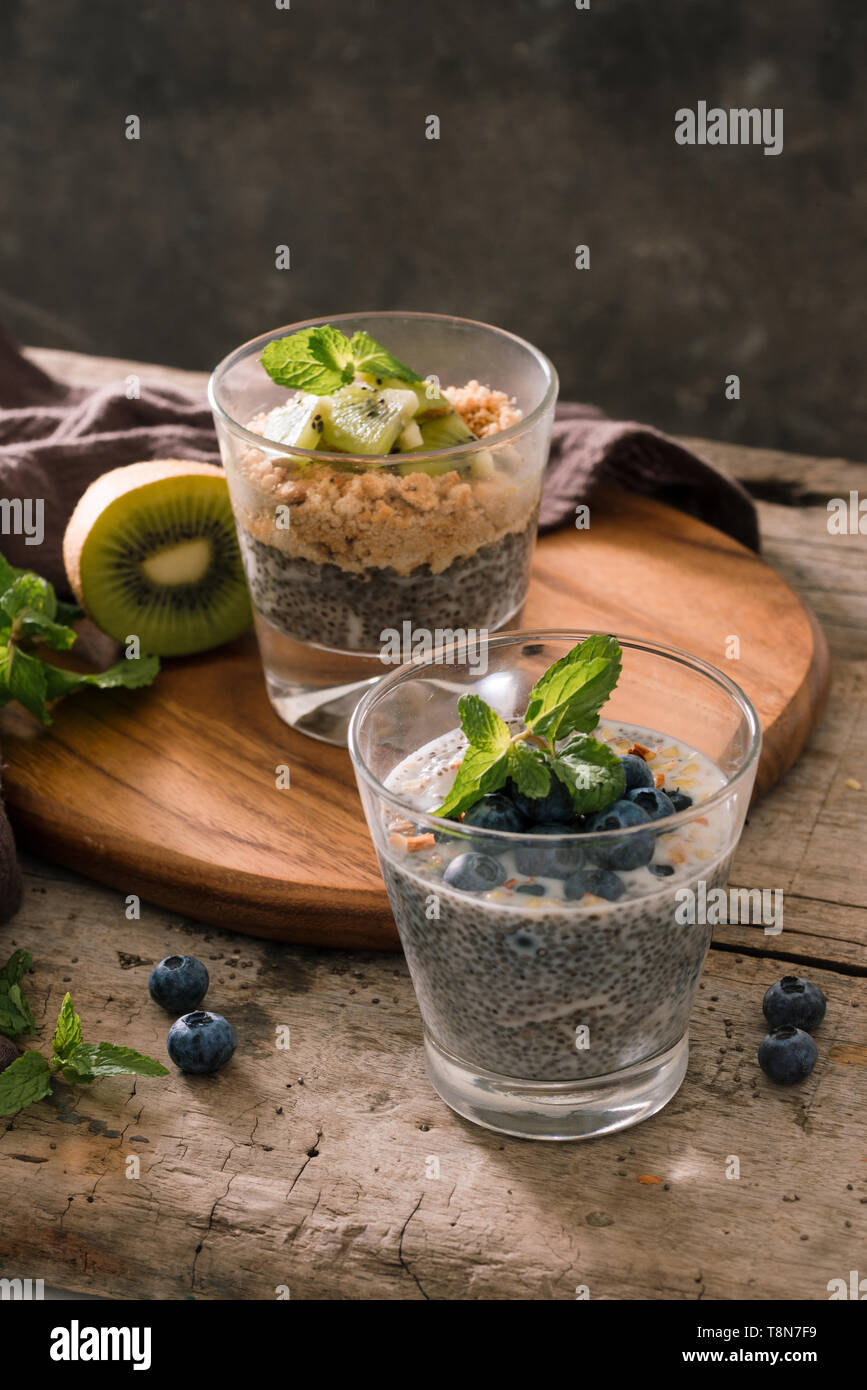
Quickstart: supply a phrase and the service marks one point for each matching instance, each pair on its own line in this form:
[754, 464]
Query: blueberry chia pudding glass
[555, 953]
[379, 503]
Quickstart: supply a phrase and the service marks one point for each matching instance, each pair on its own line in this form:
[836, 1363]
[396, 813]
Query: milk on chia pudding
[557, 935]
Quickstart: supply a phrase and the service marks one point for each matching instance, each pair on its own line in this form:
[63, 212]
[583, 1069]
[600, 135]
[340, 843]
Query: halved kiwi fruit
[151, 551]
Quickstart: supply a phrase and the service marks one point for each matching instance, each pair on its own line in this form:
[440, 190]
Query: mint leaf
[529, 769]
[314, 359]
[369, 356]
[570, 694]
[67, 1034]
[25, 676]
[14, 1019]
[89, 1060]
[26, 1080]
[38, 627]
[485, 765]
[16, 967]
[29, 591]
[129, 672]
[591, 772]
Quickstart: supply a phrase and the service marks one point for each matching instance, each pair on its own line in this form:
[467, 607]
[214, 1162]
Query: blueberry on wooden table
[201, 1042]
[794, 1003]
[787, 1055]
[178, 983]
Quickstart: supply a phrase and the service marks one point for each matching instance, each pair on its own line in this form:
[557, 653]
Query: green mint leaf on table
[315, 359]
[569, 696]
[67, 1034]
[485, 765]
[15, 968]
[24, 1081]
[129, 673]
[106, 1059]
[592, 773]
[25, 678]
[369, 356]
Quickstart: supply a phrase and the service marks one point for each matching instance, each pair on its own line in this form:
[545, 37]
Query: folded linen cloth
[55, 439]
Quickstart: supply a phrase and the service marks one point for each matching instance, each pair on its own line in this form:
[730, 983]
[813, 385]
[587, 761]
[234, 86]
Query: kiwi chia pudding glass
[555, 951]
[370, 500]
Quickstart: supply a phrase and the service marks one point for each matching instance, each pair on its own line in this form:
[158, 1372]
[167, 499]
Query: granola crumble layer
[379, 518]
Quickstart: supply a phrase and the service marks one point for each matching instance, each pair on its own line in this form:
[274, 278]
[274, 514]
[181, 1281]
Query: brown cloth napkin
[55, 439]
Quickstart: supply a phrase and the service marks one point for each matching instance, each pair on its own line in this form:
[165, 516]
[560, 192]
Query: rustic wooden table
[333, 1169]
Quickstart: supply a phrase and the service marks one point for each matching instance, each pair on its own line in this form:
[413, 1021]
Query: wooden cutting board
[169, 793]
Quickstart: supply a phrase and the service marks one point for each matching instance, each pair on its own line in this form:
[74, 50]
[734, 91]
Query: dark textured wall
[307, 127]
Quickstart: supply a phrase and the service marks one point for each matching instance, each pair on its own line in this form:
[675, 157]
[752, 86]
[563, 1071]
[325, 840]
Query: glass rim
[376, 461]
[529, 636]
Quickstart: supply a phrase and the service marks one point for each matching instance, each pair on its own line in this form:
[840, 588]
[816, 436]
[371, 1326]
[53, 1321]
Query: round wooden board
[170, 793]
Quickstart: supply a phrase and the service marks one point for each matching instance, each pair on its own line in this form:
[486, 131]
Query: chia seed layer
[505, 991]
[341, 608]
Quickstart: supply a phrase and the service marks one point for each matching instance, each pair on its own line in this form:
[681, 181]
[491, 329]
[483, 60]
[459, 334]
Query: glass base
[557, 1109]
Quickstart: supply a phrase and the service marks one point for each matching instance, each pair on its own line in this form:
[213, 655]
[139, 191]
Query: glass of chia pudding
[549, 832]
[378, 508]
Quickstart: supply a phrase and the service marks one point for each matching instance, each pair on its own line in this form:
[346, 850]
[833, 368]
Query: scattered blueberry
[638, 774]
[533, 890]
[661, 870]
[651, 800]
[201, 1041]
[794, 1003]
[602, 882]
[679, 800]
[556, 805]
[178, 983]
[495, 812]
[787, 1055]
[474, 873]
[630, 852]
[550, 861]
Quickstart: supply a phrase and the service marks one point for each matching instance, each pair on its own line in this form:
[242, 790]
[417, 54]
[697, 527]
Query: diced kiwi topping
[355, 397]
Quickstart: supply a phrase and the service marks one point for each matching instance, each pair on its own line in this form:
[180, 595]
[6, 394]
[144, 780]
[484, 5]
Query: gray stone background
[307, 127]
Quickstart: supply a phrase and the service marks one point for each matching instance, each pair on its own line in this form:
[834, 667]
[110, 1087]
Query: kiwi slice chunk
[299, 423]
[429, 403]
[365, 421]
[151, 551]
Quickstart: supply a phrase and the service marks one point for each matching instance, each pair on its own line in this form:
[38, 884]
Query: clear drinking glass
[566, 1019]
[334, 563]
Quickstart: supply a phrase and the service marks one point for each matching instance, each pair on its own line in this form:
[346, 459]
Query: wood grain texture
[252, 1179]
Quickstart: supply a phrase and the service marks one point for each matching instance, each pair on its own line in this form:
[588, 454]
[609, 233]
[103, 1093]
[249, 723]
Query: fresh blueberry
[599, 881]
[550, 861]
[495, 812]
[201, 1041]
[474, 873]
[651, 800]
[555, 805]
[679, 800]
[787, 1055]
[630, 852]
[794, 1003]
[178, 984]
[661, 870]
[533, 890]
[638, 774]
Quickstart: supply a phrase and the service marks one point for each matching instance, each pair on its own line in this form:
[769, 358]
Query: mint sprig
[28, 1078]
[16, 1016]
[565, 700]
[321, 360]
[32, 618]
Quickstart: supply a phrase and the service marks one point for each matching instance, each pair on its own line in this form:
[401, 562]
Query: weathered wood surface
[309, 1168]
